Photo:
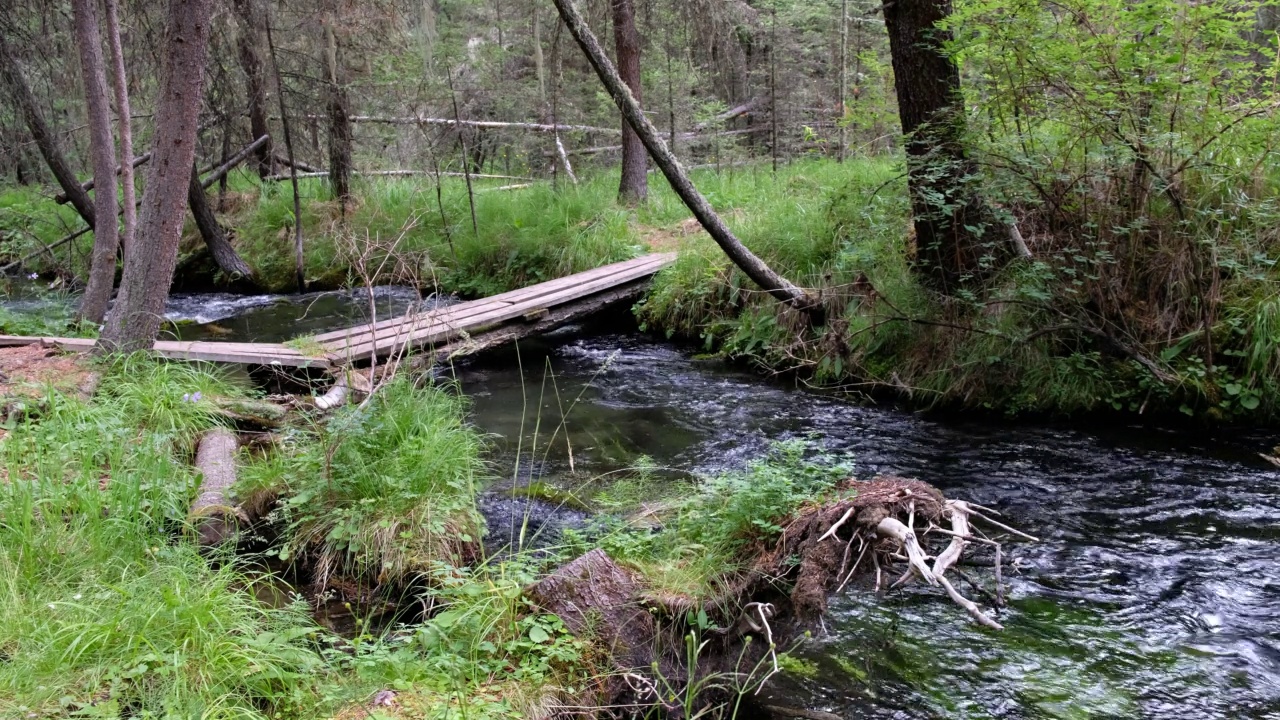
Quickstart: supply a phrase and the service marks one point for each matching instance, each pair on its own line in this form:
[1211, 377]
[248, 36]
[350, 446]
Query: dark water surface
[1155, 592]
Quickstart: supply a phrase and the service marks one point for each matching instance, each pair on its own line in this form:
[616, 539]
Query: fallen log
[489, 124]
[396, 173]
[296, 163]
[214, 516]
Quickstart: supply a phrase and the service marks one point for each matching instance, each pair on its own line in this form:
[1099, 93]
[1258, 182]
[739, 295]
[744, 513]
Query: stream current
[1154, 592]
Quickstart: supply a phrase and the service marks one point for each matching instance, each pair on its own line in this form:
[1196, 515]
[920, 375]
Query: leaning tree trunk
[755, 268]
[106, 236]
[228, 261]
[123, 110]
[634, 188]
[339, 120]
[43, 135]
[949, 217]
[135, 318]
[250, 51]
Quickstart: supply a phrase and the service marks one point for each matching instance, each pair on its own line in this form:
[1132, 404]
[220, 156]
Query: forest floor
[1033, 341]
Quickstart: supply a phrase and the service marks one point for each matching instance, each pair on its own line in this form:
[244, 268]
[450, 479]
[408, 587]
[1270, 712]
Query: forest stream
[1154, 592]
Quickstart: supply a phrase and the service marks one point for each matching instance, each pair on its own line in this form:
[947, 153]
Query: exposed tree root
[874, 528]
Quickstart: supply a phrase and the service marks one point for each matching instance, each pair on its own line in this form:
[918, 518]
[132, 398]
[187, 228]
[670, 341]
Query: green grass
[381, 492]
[706, 534]
[101, 611]
[108, 610]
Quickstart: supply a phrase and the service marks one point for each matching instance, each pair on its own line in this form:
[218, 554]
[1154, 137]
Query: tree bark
[755, 268]
[339, 121]
[949, 217]
[135, 318]
[46, 140]
[102, 145]
[250, 51]
[634, 187]
[125, 113]
[224, 255]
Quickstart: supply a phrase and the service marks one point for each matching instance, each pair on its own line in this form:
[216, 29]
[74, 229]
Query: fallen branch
[226, 167]
[493, 125]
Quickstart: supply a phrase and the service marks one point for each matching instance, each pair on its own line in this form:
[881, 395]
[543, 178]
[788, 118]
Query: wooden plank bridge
[408, 333]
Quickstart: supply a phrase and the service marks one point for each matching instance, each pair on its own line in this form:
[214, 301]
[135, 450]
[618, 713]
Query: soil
[28, 372]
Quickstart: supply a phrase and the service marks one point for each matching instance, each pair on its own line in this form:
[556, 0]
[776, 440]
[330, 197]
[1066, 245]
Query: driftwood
[214, 516]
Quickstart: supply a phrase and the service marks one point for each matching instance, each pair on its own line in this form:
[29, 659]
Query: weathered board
[402, 334]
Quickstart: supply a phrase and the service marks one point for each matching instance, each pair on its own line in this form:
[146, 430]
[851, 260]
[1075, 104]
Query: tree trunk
[844, 79]
[102, 145]
[539, 63]
[125, 113]
[293, 163]
[46, 140]
[223, 254]
[339, 121]
[135, 318]
[634, 188]
[250, 51]
[755, 268]
[949, 217]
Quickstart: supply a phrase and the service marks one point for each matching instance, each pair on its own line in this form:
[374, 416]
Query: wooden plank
[446, 327]
[434, 332]
[509, 296]
[365, 332]
[456, 315]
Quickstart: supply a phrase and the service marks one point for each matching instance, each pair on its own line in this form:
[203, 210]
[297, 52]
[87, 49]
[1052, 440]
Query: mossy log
[213, 516]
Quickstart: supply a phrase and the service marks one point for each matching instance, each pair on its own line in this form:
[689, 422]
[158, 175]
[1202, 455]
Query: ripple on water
[1153, 593]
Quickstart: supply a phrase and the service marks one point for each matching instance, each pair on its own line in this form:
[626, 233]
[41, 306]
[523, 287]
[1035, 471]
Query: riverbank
[111, 608]
[1055, 335]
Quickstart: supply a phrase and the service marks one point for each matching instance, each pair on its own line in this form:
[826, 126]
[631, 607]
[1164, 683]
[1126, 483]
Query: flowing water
[1154, 592]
